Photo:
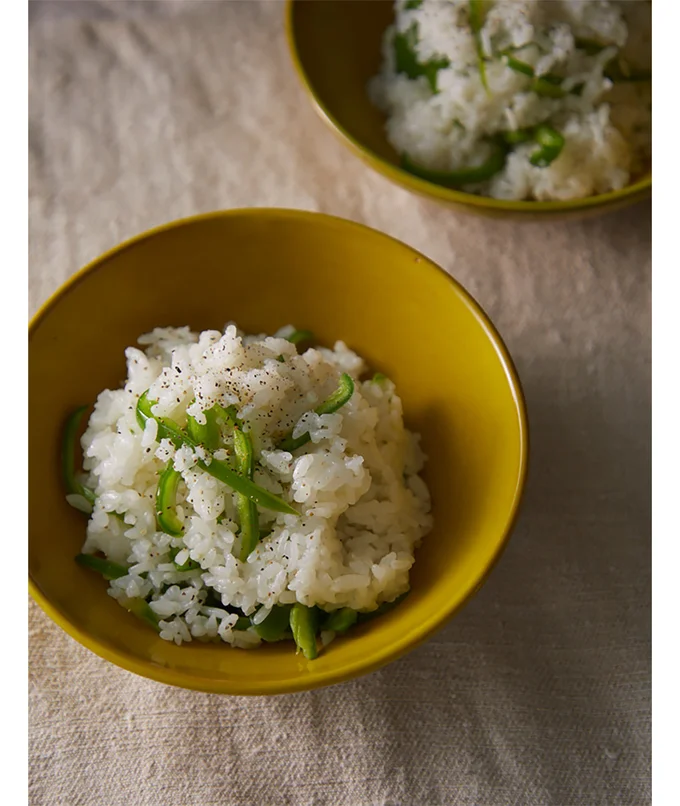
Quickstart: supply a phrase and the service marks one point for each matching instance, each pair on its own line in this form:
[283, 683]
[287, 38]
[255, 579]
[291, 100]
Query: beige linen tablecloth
[538, 693]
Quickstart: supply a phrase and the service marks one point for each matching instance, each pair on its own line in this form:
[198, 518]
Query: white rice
[363, 507]
[607, 127]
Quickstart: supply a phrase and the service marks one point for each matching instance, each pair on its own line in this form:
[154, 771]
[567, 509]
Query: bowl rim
[632, 192]
[385, 654]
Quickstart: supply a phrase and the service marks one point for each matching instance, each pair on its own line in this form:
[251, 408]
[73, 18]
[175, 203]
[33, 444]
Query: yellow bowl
[336, 49]
[263, 269]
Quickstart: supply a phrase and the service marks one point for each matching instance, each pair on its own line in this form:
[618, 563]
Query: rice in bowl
[316, 534]
[518, 99]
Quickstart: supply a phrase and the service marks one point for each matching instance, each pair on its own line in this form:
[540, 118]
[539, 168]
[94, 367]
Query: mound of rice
[363, 507]
[593, 56]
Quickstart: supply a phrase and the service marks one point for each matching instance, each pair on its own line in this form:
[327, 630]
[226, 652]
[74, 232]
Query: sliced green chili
[263, 498]
[242, 623]
[189, 565]
[208, 434]
[340, 621]
[518, 136]
[166, 501]
[303, 623]
[463, 176]
[106, 568]
[250, 531]
[547, 85]
[226, 415]
[141, 609]
[276, 625]
[336, 401]
[167, 429]
[68, 459]
[550, 143]
[412, 4]
[406, 60]
[298, 336]
[476, 14]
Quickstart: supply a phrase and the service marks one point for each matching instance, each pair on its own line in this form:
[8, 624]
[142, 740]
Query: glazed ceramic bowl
[336, 49]
[263, 269]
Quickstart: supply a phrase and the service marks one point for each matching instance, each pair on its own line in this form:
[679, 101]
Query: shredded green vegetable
[108, 569]
[303, 625]
[166, 498]
[518, 136]
[141, 609]
[250, 530]
[547, 85]
[476, 14]
[463, 176]
[220, 470]
[276, 625]
[298, 336]
[208, 434]
[68, 462]
[550, 143]
[189, 565]
[338, 399]
[340, 620]
[242, 623]
[406, 60]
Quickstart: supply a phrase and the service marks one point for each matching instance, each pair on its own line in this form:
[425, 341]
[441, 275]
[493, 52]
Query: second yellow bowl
[336, 49]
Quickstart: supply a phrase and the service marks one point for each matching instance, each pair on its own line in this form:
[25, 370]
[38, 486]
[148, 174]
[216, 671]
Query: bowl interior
[263, 269]
[337, 47]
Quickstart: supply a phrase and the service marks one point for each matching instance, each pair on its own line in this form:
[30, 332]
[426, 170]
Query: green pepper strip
[68, 457]
[340, 621]
[518, 136]
[300, 335]
[476, 23]
[242, 623]
[208, 434]
[303, 626]
[336, 401]
[250, 530]
[463, 176]
[547, 85]
[189, 565]
[411, 4]
[550, 142]
[166, 501]
[104, 567]
[275, 626]
[218, 469]
[406, 61]
[140, 608]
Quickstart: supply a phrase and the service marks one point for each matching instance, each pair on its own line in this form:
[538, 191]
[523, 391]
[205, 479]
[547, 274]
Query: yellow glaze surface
[263, 269]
